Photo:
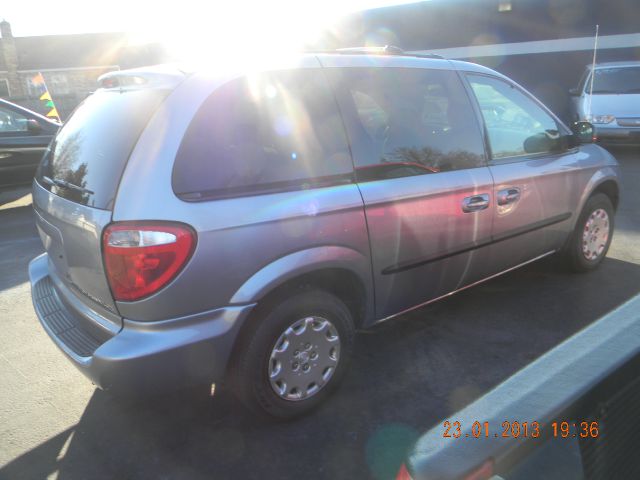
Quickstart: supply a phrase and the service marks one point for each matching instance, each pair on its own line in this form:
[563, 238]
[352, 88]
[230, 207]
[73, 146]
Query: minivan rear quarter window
[91, 150]
[264, 133]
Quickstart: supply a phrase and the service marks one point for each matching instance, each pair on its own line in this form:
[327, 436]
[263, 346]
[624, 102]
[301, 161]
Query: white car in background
[613, 104]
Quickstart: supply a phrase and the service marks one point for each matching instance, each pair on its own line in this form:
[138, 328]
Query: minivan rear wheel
[591, 238]
[296, 356]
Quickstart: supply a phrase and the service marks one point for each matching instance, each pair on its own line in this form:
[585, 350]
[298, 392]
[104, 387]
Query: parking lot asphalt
[407, 374]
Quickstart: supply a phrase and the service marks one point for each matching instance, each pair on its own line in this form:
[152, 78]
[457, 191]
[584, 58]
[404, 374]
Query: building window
[58, 84]
[33, 90]
[505, 6]
[4, 88]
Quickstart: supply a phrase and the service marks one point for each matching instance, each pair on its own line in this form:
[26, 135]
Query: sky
[153, 18]
[190, 30]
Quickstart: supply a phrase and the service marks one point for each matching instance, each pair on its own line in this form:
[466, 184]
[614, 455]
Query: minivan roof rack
[386, 50]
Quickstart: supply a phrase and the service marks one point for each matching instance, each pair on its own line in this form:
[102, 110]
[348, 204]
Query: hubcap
[595, 234]
[304, 358]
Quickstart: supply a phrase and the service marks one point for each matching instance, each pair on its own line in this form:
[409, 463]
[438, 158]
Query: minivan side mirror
[33, 126]
[574, 92]
[583, 132]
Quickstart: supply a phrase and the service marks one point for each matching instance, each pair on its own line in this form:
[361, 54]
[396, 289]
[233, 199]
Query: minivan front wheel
[591, 238]
[296, 356]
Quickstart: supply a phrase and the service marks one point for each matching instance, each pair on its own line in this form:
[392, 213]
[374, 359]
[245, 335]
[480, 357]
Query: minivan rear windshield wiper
[63, 183]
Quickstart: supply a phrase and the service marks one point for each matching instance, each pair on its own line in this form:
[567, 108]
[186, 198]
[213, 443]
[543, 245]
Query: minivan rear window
[264, 133]
[86, 159]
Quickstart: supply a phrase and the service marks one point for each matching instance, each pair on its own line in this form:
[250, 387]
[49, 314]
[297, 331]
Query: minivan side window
[583, 82]
[408, 121]
[263, 133]
[515, 123]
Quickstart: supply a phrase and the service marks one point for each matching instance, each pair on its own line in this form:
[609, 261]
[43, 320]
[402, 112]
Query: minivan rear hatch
[77, 182]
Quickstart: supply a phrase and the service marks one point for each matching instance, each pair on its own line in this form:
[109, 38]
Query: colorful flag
[38, 81]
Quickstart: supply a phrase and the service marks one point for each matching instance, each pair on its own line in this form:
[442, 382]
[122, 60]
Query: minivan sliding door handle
[475, 203]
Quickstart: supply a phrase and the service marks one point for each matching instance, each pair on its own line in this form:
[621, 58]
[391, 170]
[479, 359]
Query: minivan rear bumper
[142, 356]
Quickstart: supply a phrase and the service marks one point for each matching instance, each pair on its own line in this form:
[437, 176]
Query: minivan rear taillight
[141, 258]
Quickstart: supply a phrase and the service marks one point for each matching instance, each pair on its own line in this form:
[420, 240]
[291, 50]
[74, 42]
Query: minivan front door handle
[508, 195]
[475, 203]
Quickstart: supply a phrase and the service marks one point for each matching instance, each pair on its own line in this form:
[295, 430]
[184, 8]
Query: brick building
[70, 65]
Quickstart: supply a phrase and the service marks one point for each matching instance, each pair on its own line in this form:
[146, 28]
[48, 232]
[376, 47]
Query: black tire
[575, 258]
[249, 370]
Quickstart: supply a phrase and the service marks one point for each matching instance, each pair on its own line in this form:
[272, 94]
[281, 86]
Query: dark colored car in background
[24, 136]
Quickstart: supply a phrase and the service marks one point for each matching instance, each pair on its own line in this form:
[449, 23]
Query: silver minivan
[240, 225]
[608, 96]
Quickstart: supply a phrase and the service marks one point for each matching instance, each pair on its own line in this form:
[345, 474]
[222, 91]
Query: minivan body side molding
[491, 277]
[476, 245]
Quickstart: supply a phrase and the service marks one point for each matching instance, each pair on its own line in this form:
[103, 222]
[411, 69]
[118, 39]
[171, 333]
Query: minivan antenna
[593, 71]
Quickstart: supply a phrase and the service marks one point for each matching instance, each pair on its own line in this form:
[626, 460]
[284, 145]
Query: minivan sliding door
[420, 166]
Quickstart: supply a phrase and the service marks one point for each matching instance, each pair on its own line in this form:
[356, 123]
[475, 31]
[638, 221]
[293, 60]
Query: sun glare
[259, 29]
[193, 31]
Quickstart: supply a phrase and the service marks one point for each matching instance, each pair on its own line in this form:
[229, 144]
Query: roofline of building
[67, 35]
[64, 69]
[627, 40]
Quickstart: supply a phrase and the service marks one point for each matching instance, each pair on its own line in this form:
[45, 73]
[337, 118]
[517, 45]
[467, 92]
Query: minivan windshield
[616, 80]
[86, 159]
